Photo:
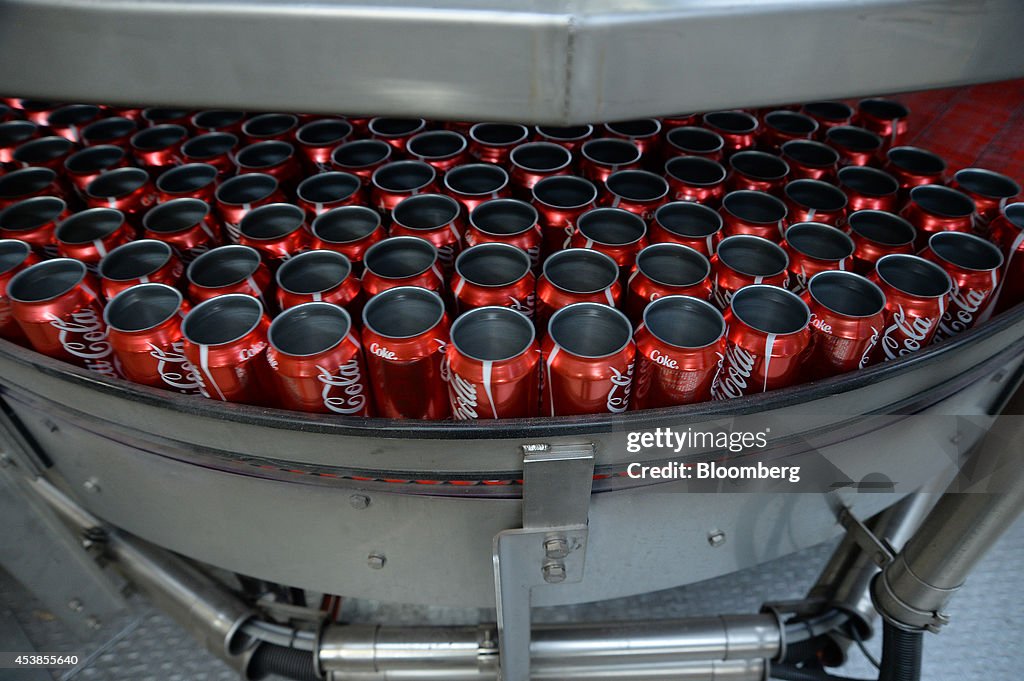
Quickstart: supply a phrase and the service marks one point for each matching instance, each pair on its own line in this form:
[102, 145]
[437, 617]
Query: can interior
[25, 181]
[500, 134]
[917, 161]
[566, 133]
[684, 322]
[810, 153]
[15, 132]
[695, 140]
[436, 144]
[504, 216]
[966, 251]
[268, 125]
[32, 213]
[142, 307]
[816, 194]
[770, 309]
[361, 153]
[224, 266]
[759, 165]
[134, 260]
[313, 272]
[404, 176]
[580, 270]
[791, 122]
[755, 207]
[264, 154]
[492, 264]
[403, 312]
[346, 224]
[829, 110]
[273, 221]
[426, 211]
[541, 156]
[328, 187]
[324, 132]
[398, 257]
[868, 181]
[158, 114]
[612, 226]
[752, 256]
[158, 137]
[881, 227]
[12, 254]
[42, 150]
[210, 145]
[641, 127]
[492, 334]
[943, 201]
[695, 170]
[92, 159]
[611, 152]
[117, 183]
[913, 275]
[222, 319]
[565, 191]
[395, 127]
[637, 185]
[688, 219]
[847, 294]
[476, 179]
[89, 225]
[1015, 214]
[108, 129]
[175, 215]
[819, 241]
[247, 188]
[216, 118]
[987, 183]
[309, 329]
[46, 280]
[590, 330]
[735, 122]
[854, 138]
[884, 109]
[673, 265]
[187, 178]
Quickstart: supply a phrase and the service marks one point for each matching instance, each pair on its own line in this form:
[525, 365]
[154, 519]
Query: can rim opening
[637, 185]
[476, 179]
[758, 165]
[142, 307]
[209, 145]
[345, 224]
[492, 264]
[89, 225]
[883, 109]
[913, 275]
[246, 189]
[403, 312]
[580, 270]
[810, 153]
[223, 266]
[817, 195]
[425, 212]
[25, 181]
[42, 149]
[820, 241]
[16, 132]
[175, 215]
[565, 192]
[1014, 213]
[943, 201]
[272, 221]
[32, 213]
[966, 251]
[565, 133]
[269, 124]
[212, 119]
[117, 183]
[987, 183]
[328, 187]
[791, 122]
[671, 264]
[12, 254]
[400, 257]
[610, 151]
[94, 159]
[695, 139]
[636, 128]
[916, 160]
[734, 122]
[590, 330]
[313, 272]
[135, 259]
[498, 134]
[540, 157]
[770, 310]
[612, 226]
[388, 126]
[265, 154]
[752, 256]
[846, 293]
[829, 110]
[46, 280]
[881, 227]
[759, 208]
[436, 144]
[361, 153]
[72, 115]
[221, 320]
[504, 217]
[323, 132]
[855, 139]
[157, 114]
[492, 334]
[868, 181]
[108, 129]
[695, 170]
[158, 137]
[684, 322]
[687, 219]
[309, 329]
[186, 178]
[404, 176]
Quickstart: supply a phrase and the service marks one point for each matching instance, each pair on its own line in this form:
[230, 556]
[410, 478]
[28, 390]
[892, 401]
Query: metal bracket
[879, 550]
[549, 550]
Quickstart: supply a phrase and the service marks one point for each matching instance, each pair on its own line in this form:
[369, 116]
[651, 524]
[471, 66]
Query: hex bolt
[376, 561]
[75, 605]
[716, 538]
[92, 485]
[556, 547]
[554, 572]
[359, 501]
[93, 622]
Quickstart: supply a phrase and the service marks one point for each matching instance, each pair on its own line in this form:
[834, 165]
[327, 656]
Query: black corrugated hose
[901, 660]
[287, 662]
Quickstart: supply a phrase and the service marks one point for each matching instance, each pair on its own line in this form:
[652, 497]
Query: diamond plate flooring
[983, 642]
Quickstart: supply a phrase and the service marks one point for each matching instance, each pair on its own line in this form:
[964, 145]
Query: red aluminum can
[189, 181]
[318, 276]
[68, 121]
[694, 141]
[855, 146]
[613, 231]
[679, 120]
[755, 213]
[533, 161]
[784, 126]
[493, 365]
[316, 141]
[187, 225]
[989, 190]
[349, 230]
[576, 275]
[44, 152]
[14, 257]
[238, 196]
[320, 193]
[164, 116]
[815, 201]
[57, 304]
[815, 247]
[766, 342]
[913, 167]
[876, 233]
[637, 191]
[809, 160]
[847, 318]
[395, 131]
[599, 158]
[277, 230]
[1007, 232]
[571, 137]
[434, 217]
[828, 114]
[34, 221]
[494, 274]
[745, 260]
[666, 270]
[129, 190]
[689, 224]
[229, 269]
[26, 183]
[738, 129]
[678, 348]
[84, 166]
[277, 159]
[916, 297]
[869, 189]
[588, 357]
[405, 332]
[88, 236]
[361, 158]
[757, 171]
[975, 266]
[215, 148]
[493, 142]
[139, 262]
[145, 332]
[270, 127]
[12, 135]
[217, 120]
[693, 178]
[398, 180]
[159, 147]
[225, 341]
[116, 131]
[934, 208]
[474, 183]
[885, 117]
[401, 261]
[316, 361]
[443, 149]
[645, 133]
[507, 221]
[35, 110]
[559, 201]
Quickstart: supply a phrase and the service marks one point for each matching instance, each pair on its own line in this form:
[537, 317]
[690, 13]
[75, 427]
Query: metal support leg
[550, 549]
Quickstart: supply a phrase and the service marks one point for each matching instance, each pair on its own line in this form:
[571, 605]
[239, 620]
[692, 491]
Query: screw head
[75, 605]
[556, 547]
[359, 501]
[376, 561]
[92, 485]
[554, 573]
[93, 622]
[716, 538]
